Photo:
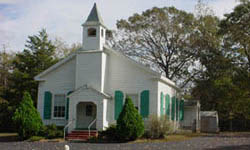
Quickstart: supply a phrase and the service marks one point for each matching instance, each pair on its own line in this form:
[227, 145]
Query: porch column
[72, 115]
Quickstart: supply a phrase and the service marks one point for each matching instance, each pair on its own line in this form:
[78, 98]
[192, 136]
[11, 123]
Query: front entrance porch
[87, 108]
[86, 116]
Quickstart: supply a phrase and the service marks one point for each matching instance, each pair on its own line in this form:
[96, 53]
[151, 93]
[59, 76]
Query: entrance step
[82, 135]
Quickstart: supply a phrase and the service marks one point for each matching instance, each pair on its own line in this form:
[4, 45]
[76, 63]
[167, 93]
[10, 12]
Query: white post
[66, 147]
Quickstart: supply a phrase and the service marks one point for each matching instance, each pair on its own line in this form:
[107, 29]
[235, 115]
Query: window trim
[53, 103]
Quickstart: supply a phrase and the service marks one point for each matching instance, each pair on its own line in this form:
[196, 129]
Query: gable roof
[86, 86]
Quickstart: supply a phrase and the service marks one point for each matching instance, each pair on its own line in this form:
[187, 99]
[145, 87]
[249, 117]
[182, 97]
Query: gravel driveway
[212, 142]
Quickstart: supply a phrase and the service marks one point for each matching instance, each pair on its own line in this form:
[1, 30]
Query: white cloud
[63, 18]
[8, 1]
[222, 7]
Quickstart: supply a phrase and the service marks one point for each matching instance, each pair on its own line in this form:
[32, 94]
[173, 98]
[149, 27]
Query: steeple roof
[94, 16]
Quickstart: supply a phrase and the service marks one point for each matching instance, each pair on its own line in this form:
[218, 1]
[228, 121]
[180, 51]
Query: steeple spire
[94, 17]
[94, 31]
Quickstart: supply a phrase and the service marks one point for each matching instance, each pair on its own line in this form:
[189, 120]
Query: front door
[86, 113]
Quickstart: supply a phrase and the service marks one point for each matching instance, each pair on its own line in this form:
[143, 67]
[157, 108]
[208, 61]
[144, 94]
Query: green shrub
[43, 131]
[27, 118]
[52, 131]
[130, 125]
[109, 134]
[158, 127]
[94, 139]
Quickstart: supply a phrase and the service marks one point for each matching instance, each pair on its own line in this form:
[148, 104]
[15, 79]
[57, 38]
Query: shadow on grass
[9, 137]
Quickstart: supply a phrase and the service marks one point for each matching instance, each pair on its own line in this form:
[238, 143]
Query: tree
[36, 57]
[223, 84]
[130, 125]
[6, 112]
[236, 31]
[63, 50]
[162, 38]
[27, 118]
[6, 59]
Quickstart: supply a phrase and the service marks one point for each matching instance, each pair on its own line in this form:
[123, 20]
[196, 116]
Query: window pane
[59, 100]
[92, 32]
[59, 106]
[89, 110]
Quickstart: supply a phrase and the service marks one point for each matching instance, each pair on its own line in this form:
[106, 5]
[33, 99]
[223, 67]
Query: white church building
[87, 89]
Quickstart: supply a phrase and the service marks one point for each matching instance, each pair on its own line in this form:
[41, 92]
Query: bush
[27, 118]
[158, 127]
[109, 134]
[130, 125]
[52, 131]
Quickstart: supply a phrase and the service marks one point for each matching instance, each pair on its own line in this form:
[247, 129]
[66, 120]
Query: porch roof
[84, 87]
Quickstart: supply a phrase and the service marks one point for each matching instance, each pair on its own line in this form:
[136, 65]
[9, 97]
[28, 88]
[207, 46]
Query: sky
[63, 18]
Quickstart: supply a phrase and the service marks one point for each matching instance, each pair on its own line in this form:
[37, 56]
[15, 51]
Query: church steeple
[95, 16]
[94, 31]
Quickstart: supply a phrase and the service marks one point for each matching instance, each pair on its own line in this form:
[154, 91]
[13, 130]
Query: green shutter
[177, 109]
[162, 99]
[118, 103]
[181, 110]
[47, 105]
[167, 105]
[173, 108]
[67, 105]
[144, 105]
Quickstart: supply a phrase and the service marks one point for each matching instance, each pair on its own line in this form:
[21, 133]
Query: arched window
[92, 32]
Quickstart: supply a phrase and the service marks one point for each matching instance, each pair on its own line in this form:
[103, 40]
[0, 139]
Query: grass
[35, 138]
[53, 140]
[171, 138]
[13, 137]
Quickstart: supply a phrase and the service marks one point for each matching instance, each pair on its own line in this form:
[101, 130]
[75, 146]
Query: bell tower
[94, 31]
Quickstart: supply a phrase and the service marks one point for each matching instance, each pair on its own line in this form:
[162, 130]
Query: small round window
[92, 32]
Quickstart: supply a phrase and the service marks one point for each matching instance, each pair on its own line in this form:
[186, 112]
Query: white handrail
[91, 125]
[67, 125]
